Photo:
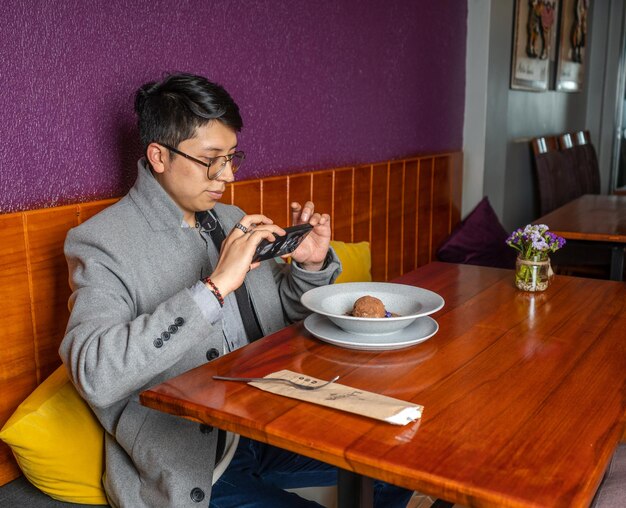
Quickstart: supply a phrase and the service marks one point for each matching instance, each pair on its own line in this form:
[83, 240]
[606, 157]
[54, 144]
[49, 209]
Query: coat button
[197, 495]
[158, 342]
[165, 335]
[205, 429]
[212, 354]
[172, 328]
[179, 321]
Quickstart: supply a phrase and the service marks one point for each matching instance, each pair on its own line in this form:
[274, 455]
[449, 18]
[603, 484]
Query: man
[162, 282]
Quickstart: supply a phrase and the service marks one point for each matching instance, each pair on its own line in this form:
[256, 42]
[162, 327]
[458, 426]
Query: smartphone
[283, 244]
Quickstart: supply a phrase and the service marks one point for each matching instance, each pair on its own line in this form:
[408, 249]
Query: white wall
[474, 129]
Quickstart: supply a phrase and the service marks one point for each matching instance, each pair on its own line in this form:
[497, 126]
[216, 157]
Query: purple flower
[534, 240]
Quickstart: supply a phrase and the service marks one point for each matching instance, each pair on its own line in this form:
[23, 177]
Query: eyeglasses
[215, 165]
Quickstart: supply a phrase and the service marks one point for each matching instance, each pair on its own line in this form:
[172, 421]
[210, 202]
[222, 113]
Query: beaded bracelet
[214, 290]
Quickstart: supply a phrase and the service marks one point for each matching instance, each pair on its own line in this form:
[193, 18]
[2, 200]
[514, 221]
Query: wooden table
[593, 218]
[524, 393]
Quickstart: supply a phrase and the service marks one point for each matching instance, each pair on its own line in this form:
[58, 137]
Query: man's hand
[238, 250]
[311, 253]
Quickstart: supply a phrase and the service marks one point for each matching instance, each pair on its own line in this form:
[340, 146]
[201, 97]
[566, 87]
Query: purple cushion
[479, 240]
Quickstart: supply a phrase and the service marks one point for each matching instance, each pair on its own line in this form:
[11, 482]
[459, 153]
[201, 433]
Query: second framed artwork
[570, 70]
[549, 38]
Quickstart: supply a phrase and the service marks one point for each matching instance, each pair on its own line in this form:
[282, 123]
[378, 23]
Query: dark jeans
[259, 472]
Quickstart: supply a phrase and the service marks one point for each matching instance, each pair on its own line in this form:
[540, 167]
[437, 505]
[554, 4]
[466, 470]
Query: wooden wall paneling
[300, 188]
[343, 201]
[441, 203]
[456, 189]
[409, 231]
[395, 220]
[275, 200]
[18, 370]
[424, 211]
[247, 196]
[46, 231]
[362, 200]
[323, 187]
[380, 228]
[88, 210]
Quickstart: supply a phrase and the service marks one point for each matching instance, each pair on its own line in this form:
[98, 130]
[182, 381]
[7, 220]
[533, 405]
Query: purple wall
[320, 83]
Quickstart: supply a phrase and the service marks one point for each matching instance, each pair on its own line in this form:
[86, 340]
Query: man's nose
[227, 174]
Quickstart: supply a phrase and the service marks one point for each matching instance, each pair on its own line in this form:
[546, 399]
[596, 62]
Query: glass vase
[533, 274]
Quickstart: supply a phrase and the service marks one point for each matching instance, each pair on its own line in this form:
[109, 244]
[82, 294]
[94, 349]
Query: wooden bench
[404, 208]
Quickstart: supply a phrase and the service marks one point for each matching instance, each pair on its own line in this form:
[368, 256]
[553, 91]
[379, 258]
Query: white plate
[324, 329]
[336, 301]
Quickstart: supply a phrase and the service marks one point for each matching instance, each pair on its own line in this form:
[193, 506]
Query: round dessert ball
[368, 307]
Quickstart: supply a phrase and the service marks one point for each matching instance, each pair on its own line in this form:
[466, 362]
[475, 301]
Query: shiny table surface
[591, 217]
[524, 393]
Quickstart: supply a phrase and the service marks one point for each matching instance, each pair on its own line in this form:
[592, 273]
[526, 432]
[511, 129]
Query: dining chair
[556, 178]
[585, 161]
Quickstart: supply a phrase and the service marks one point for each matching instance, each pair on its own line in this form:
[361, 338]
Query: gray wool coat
[131, 267]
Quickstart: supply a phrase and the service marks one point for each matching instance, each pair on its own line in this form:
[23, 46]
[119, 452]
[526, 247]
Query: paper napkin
[345, 398]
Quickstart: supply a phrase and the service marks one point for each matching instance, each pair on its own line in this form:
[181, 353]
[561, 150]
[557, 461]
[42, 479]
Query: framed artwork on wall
[570, 71]
[534, 44]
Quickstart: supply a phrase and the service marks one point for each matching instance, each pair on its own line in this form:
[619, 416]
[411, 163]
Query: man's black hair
[171, 110]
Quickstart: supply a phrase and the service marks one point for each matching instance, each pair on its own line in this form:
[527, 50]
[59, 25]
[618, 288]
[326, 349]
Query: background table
[524, 393]
[593, 218]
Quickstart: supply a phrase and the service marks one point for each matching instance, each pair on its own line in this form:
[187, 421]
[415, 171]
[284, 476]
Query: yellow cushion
[58, 442]
[356, 260]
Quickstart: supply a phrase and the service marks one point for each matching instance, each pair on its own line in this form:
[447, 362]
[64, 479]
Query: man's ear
[157, 156]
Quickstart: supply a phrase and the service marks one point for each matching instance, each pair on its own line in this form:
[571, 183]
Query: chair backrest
[556, 176]
[571, 145]
[589, 168]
